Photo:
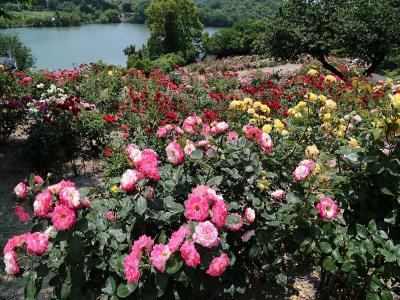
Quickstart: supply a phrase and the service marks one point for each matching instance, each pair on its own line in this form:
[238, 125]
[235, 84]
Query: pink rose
[250, 215]
[218, 265]
[327, 208]
[196, 208]
[129, 180]
[42, 203]
[37, 243]
[190, 255]
[21, 190]
[70, 196]
[278, 194]
[175, 154]
[206, 235]
[159, 256]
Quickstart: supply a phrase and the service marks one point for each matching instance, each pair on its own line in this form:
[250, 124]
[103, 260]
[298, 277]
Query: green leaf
[141, 205]
[232, 220]
[173, 206]
[372, 296]
[215, 181]
[110, 286]
[369, 246]
[386, 294]
[347, 266]
[361, 231]
[387, 192]
[124, 290]
[33, 286]
[389, 256]
[372, 226]
[325, 247]
[281, 279]
[329, 264]
[65, 291]
[173, 265]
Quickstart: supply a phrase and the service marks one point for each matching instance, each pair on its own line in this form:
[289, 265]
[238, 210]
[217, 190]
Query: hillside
[219, 13]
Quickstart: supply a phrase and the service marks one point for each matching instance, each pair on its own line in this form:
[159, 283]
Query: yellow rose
[317, 168]
[312, 97]
[301, 105]
[257, 116]
[330, 104]
[330, 79]
[2, 68]
[253, 121]
[251, 111]
[257, 104]
[327, 117]
[110, 73]
[322, 98]
[267, 128]
[260, 186]
[312, 72]
[265, 109]
[292, 111]
[263, 184]
[278, 125]
[114, 188]
[395, 99]
[298, 115]
[248, 101]
[234, 104]
[353, 143]
[284, 132]
[340, 133]
[311, 151]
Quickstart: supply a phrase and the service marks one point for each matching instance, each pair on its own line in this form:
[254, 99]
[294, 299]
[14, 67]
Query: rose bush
[215, 185]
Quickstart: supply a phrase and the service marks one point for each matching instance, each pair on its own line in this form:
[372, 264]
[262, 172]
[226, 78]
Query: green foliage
[219, 13]
[362, 28]
[174, 27]
[165, 62]
[12, 47]
[237, 40]
[225, 13]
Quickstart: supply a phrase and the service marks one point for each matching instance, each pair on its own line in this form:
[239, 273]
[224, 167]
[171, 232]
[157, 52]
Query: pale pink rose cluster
[327, 208]
[220, 127]
[58, 202]
[278, 194]
[175, 154]
[36, 243]
[146, 163]
[165, 130]
[303, 170]
[263, 139]
[192, 124]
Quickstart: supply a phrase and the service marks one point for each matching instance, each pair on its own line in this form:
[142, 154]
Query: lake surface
[66, 47]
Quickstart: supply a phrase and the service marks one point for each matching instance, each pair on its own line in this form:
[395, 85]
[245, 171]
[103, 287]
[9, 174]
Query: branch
[329, 67]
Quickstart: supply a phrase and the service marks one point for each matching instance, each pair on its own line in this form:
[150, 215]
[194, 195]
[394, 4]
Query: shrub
[12, 47]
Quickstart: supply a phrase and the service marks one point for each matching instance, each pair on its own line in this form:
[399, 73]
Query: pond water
[66, 47]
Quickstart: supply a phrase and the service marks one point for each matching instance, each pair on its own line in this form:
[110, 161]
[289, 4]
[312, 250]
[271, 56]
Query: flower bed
[214, 185]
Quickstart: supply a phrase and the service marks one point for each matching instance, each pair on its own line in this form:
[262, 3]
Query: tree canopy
[367, 29]
[174, 27]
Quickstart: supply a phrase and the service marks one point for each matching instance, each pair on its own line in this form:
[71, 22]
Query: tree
[237, 40]
[174, 27]
[12, 47]
[361, 28]
[5, 14]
